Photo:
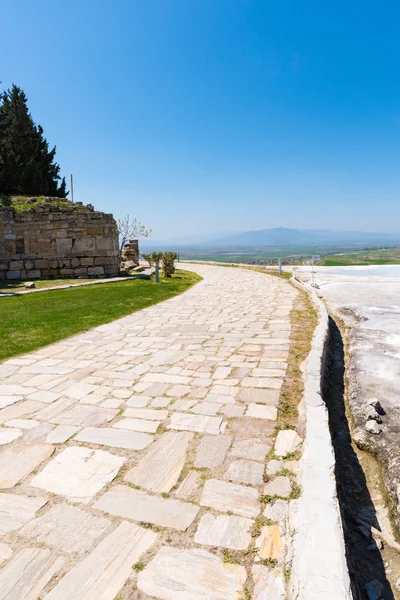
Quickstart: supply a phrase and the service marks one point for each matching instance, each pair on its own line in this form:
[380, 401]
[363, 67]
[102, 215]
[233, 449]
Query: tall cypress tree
[27, 166]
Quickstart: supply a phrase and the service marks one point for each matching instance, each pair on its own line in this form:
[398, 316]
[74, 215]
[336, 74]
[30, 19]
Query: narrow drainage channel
[365, 561]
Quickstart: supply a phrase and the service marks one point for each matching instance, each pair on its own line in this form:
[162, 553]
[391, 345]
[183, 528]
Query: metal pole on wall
[72, 188]
[157, 272]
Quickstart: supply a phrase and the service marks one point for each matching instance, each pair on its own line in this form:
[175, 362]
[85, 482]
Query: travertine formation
[53, 241]
[137, 465]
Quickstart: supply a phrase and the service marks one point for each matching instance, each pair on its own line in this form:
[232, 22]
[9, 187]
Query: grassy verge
[11, 286]
[34, 320]
[304, 320]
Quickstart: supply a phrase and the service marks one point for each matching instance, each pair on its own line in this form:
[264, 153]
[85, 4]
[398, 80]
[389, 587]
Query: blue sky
[207, 116]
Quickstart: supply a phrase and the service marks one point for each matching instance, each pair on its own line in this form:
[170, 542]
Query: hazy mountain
[282, 236]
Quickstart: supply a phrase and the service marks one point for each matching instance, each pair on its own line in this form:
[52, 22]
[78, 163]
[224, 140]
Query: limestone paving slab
[245, 471]
[159, 470]
[16, 462]
[16, 510]
[9, 435]
[287, 441]
[28, 573]
[268, 585]
[128, 503]
[66, 527]
[146, 413]
[105, 436]
[229, 497]
[251, 449]
[194, 574]
[189, 486]
[224, 531]
[137, 425]
[102, 573]
[84, 415]
[196, 423]
[78, 473]
[262, 411]
[212, 450]
[61, 434]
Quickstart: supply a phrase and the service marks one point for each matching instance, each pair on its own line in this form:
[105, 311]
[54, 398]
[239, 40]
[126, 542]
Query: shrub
[156, 257]
[168, 263]
[148, 258]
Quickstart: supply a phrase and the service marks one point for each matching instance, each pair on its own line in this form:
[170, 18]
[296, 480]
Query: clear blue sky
[203, 116]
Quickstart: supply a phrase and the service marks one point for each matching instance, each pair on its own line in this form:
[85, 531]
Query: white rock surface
[262, 411]
[16, 462]
[245, 471]
[230, 497]
[16, 510]
[67, 527]
[193, 574]
[78, 473]
[196, 423]
[61, 434]
[105, 436]
[102, 574]
[159, 470]
[9, 435]
[251, 449]
[137, 425]
[28, 573]
[212, 450]
[224, 531]
[287, 441]
[268, 585]
[128, 503]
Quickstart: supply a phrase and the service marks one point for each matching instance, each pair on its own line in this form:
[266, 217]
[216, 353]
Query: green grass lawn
[30, 321]
[10, 285]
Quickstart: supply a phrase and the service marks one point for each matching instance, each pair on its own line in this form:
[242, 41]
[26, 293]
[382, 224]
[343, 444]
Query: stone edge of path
[54, 288]
[319, 568]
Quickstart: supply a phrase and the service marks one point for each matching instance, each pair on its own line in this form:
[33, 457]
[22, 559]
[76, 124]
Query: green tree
[27, 166]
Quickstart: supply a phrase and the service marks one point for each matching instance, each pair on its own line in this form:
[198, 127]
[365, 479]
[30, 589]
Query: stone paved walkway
[133, 456]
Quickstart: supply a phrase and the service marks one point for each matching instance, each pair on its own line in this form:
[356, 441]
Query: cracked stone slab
[280, 486]
[176, 574]
[224, 531]
[262, 411]
[196, 423]
[146, 413]
[251, 449]
[189, 486]
[101, 574]
[67, 527]
[28, 573]
[268, 585]
[277, 511]
[137, 425]
[79, 473]
[287, 441]
[16, 510]
[105, 436]
[61, 434]
[212, 450]
[20, 409]
[85, 415]
[16, 462]
[259, 396]
[22, 423]
[129, 503]
[230, 497]
[9, 435]
[270, 544]
[9, 400]
[245, 471]
[159, 470]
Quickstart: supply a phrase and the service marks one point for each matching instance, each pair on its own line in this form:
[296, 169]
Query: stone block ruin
[52, 240]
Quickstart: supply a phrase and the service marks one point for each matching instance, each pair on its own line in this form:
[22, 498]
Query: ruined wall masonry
[51, 241]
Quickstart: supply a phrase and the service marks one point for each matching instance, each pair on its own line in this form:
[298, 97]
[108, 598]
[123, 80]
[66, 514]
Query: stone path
[141, 459]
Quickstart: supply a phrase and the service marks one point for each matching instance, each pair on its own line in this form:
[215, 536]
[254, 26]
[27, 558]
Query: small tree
[168, 263]
[156, 257]
[148, 258]
[130, 229]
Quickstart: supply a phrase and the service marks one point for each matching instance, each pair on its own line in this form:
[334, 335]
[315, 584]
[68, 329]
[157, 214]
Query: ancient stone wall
[51, 241]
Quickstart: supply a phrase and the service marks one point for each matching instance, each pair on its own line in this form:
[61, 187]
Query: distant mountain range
[284, 237]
